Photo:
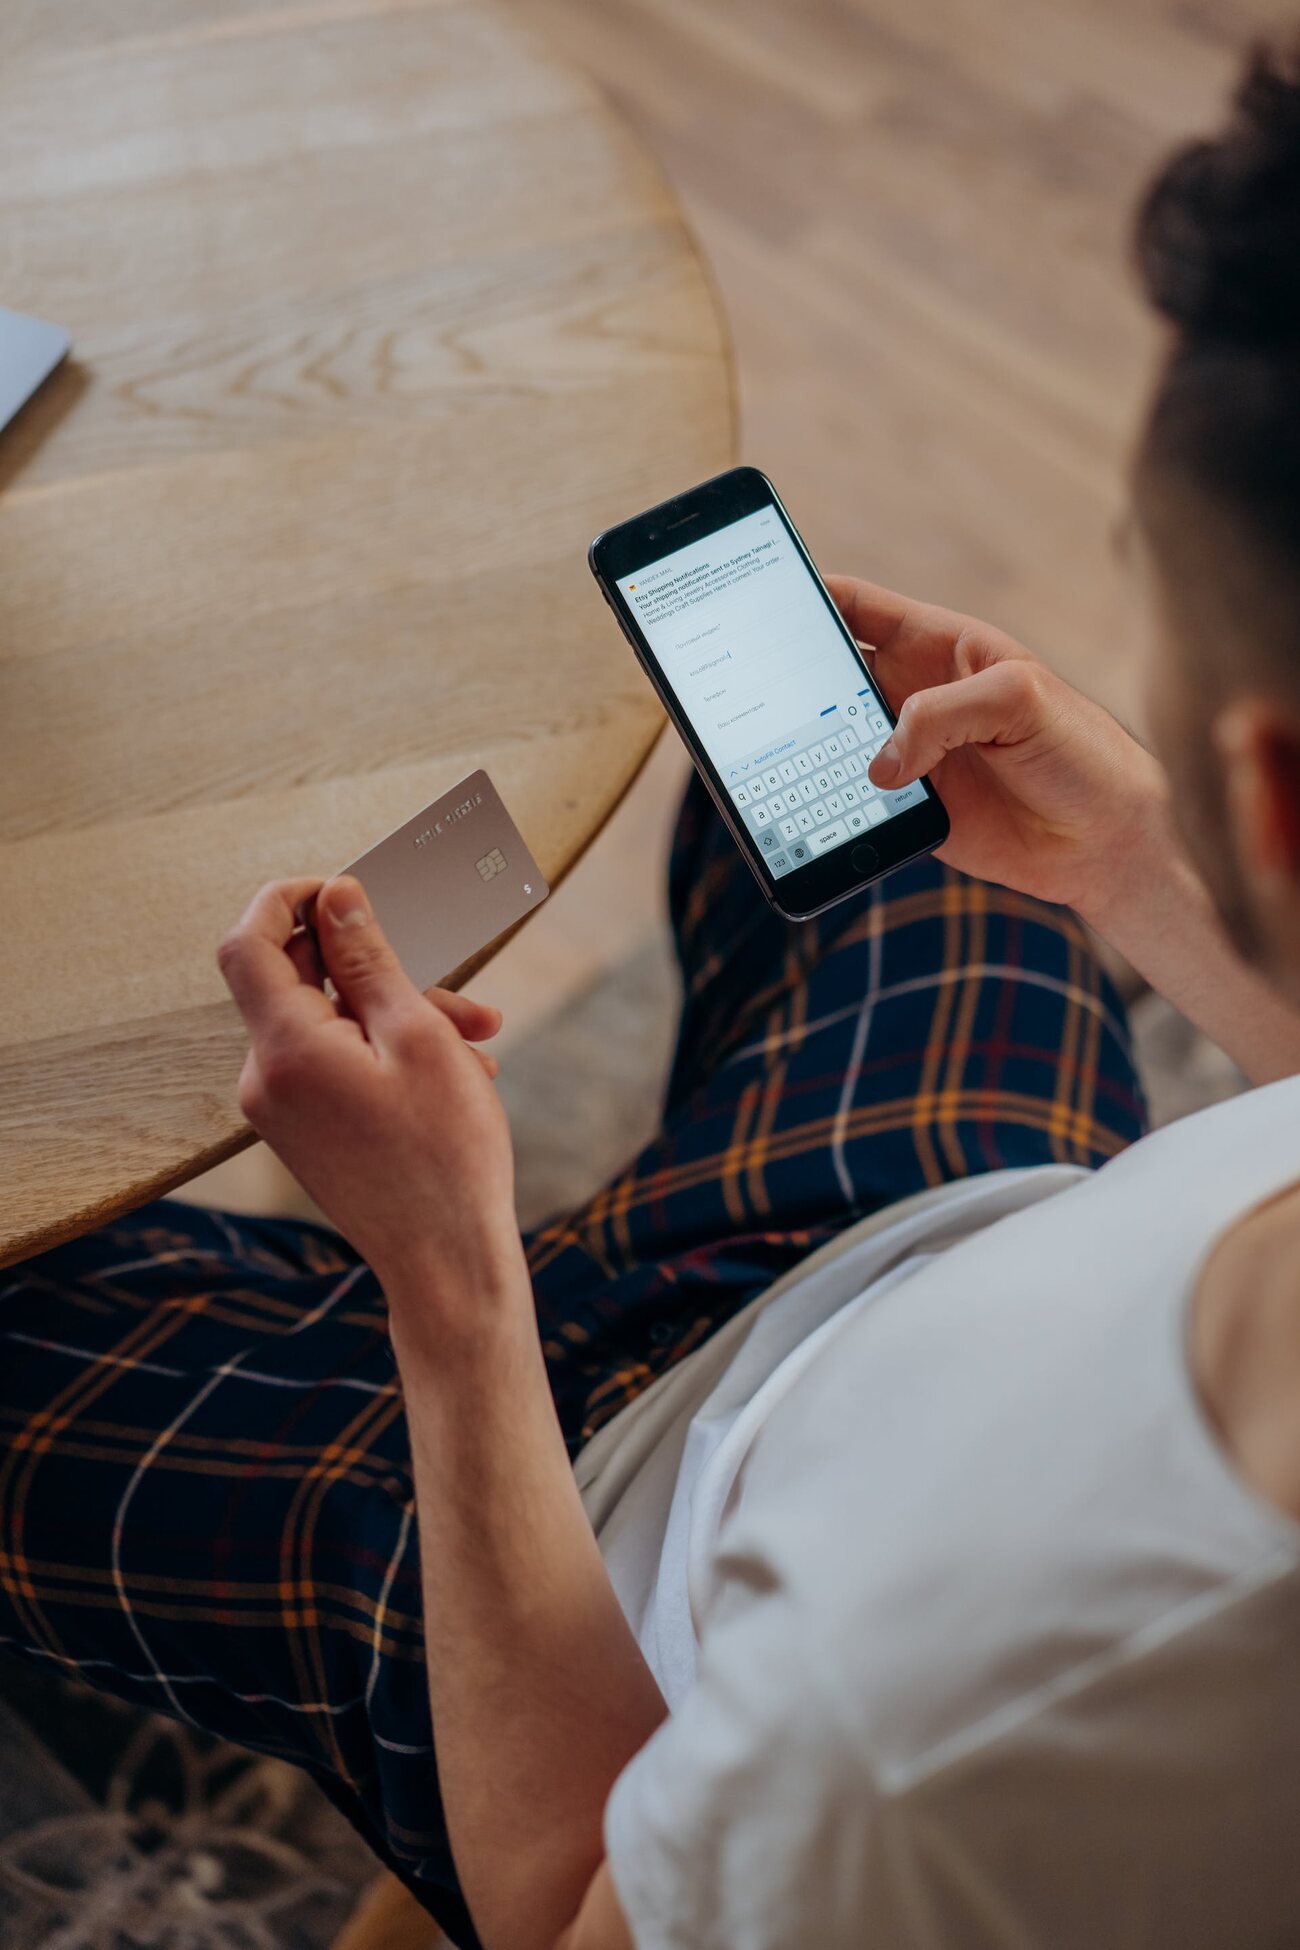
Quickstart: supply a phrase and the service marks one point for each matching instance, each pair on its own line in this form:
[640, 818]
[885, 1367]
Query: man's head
[1217, 494]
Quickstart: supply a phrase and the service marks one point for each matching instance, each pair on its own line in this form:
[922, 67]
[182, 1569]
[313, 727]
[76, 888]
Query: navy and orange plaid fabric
[205, 1493]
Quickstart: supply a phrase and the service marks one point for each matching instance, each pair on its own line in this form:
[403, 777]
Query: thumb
[997, 706]
[358, 959]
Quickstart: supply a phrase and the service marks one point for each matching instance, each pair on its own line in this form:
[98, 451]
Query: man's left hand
[378, 1103]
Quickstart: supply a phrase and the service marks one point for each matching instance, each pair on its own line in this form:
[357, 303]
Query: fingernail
[885, 765]
[348, 906]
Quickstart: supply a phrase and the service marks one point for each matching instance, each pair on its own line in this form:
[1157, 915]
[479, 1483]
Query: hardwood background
[917, 213]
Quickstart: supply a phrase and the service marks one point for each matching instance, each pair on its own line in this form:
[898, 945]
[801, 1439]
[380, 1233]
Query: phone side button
[864, 859]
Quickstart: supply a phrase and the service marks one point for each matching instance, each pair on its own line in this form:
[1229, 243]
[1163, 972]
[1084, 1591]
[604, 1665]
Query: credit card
[450, 880]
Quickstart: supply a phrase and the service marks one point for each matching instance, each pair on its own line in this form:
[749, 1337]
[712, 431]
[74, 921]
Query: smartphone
[737, 632]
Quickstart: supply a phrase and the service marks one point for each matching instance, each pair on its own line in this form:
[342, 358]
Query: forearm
[539, 1692]
[1158, 913]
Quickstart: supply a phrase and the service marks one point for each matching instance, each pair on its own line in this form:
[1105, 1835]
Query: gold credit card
[450, 880]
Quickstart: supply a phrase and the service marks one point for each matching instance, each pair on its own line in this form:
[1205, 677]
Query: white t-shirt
[972, 1636]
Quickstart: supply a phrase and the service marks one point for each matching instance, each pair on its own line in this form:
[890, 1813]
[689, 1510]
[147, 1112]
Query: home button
[865, 859]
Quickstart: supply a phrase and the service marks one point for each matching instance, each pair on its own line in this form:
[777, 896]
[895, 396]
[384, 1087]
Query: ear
[1260, 749]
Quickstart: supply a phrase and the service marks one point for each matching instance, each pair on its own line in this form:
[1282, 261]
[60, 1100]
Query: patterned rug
[119, 1830]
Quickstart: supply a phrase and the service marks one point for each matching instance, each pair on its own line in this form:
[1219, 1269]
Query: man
[947, 1486]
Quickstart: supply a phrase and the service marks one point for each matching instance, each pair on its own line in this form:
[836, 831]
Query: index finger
[874, 614]
[892, 623]
[254, 958]
[912, 646]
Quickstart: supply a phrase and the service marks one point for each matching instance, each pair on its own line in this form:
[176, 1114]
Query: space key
[825, 836]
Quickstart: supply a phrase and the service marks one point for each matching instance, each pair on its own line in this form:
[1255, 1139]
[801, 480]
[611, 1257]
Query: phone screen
[764, 673]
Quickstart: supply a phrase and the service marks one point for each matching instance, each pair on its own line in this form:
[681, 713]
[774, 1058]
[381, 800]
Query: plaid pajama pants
[205, 1491]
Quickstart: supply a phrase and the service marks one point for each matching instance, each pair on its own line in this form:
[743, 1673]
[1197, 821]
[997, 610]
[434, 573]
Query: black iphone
[719, 598]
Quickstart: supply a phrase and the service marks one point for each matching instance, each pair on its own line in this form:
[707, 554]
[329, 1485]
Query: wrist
[1143, 869]
[445, 1316]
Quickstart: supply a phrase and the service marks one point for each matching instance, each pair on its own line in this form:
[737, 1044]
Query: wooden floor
[917, 213]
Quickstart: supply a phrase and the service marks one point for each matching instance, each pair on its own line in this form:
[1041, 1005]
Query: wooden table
[379, 315]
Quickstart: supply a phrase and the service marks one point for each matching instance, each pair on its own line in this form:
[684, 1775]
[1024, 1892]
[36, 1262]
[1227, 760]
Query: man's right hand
[1046, 792]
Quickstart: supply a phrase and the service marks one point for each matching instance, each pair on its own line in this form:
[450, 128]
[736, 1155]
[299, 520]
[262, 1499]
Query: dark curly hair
[1217, 243]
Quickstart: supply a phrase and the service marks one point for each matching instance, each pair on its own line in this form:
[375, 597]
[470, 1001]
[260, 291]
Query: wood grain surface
[378, 316]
